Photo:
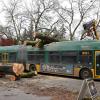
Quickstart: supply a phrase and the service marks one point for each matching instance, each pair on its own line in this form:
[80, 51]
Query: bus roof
[73, 45]
[15, 48]
[57, 46]
[9, 48]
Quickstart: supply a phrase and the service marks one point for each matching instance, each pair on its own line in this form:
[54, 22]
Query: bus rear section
[81, 64]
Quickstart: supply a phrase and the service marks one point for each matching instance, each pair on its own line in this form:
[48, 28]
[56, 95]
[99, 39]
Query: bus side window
[54, 57]
[85, 57]
[36, 56]
[69, 57]
[40, 56]
[31, 56]
[12, 56]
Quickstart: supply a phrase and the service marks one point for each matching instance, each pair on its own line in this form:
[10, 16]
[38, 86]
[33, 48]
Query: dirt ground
[57, 88]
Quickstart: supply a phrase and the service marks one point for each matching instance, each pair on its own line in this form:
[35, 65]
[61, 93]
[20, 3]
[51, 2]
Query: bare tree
[5, 31]
[45, 15]
[68, 14]
[41, 15]
[97, 13]
[14, 17]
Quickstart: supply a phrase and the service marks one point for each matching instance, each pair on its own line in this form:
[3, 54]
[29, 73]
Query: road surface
[42, 87]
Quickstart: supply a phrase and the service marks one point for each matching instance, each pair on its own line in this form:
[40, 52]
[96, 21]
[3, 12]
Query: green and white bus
[69, 58]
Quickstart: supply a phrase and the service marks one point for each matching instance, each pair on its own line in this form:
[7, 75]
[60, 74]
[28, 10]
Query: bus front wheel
[85, 73]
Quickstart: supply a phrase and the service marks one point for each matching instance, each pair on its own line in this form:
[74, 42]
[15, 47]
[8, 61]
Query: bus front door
[4, 58]
[97, 64]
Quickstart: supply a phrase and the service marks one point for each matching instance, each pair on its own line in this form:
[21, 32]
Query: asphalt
[9, 90]
[17, 94]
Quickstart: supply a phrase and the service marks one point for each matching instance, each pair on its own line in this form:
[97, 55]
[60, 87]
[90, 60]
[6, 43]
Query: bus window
[69, 57]
[12, 57]
[40, 56]
[54, 57]
[36, 57]
[85, 57]
[31, 55]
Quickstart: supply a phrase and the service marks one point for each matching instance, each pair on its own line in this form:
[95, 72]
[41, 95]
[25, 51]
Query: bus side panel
[38, 68]
[56, 69]
[76, 72]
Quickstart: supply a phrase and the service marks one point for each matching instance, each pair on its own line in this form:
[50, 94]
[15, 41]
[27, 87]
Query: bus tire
[32, 67]
[85, 73]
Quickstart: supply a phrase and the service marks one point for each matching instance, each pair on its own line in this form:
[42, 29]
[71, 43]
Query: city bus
[69, 58]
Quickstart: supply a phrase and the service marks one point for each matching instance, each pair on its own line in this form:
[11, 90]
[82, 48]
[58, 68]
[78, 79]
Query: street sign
[88, 84]
[92, 88]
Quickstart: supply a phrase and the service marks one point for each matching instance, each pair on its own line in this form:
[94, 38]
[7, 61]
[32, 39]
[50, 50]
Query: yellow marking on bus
[76, 71]
[38, 67]
[92, 70]
[95, 75]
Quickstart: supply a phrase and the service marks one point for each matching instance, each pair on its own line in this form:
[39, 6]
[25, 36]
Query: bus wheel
[33, 68]
[85, 73]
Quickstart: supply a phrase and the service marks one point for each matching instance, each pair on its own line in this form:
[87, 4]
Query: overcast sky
[2, 15]
[27, 2]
